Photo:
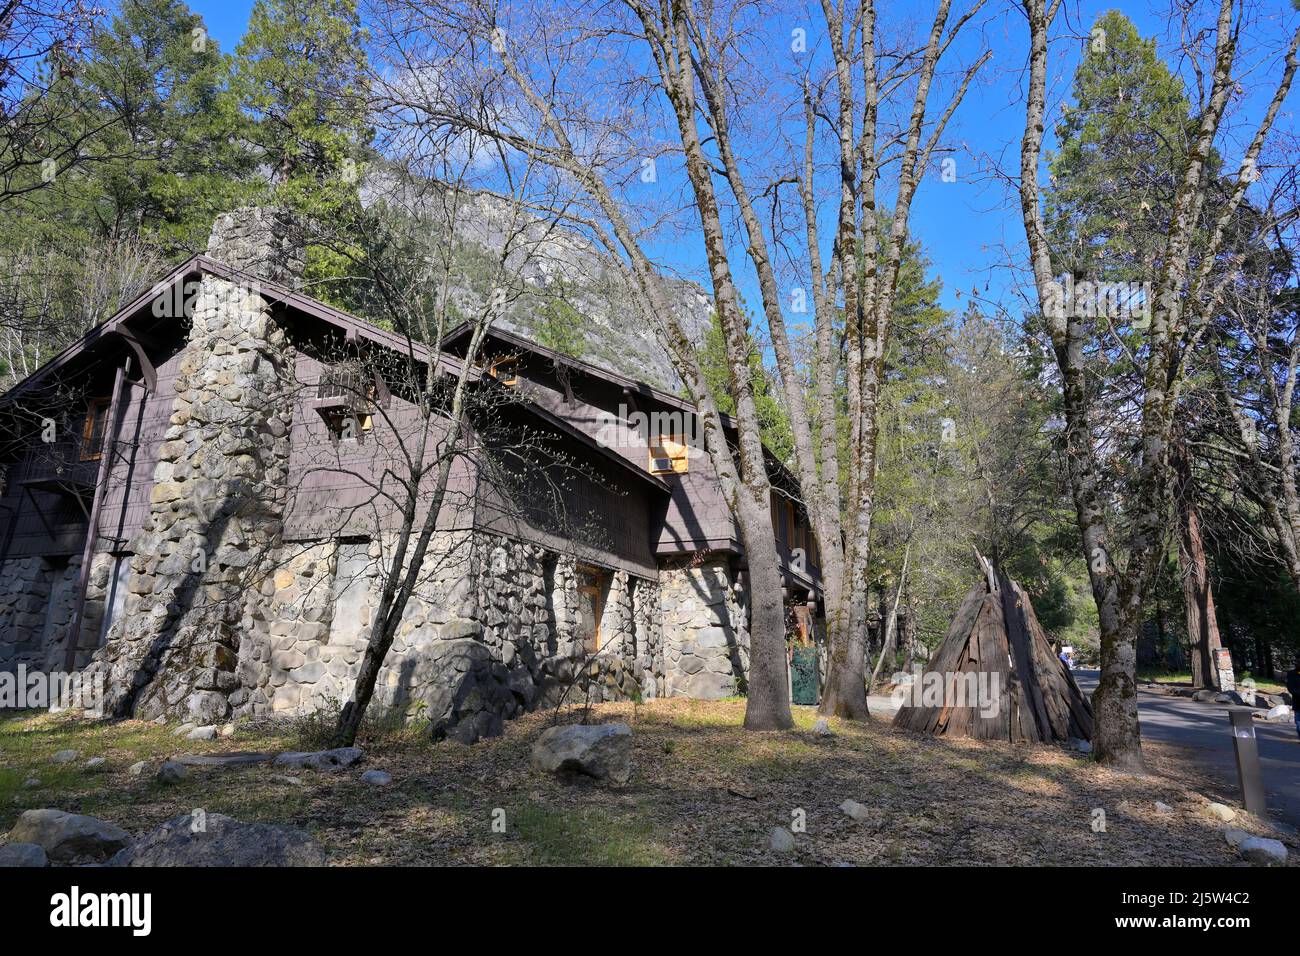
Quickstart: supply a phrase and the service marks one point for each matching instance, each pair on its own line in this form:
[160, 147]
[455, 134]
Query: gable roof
[586, 368]
[352, 327]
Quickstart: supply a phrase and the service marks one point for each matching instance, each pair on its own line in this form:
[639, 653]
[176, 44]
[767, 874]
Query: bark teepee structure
[996, 642]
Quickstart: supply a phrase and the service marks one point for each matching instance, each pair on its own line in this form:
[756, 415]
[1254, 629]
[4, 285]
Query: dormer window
[348, 426]
[345, 398]
[505, 370]
[669, 456]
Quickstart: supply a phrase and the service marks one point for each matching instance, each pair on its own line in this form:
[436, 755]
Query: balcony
[57, 468]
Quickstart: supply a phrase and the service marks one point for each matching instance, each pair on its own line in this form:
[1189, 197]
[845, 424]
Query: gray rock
[96, 764]
[1263, 851]
[204, 706]
[1235, 837]
[23, 854]
[602, 751]
[1082, 746]
[69, 837]
[1279, 713]
[285, 778]
[31, 783]
[855, 810]
[171, 772]
[223, 841]
[782, 840]
[335, 759]
[228, 730]
[202, 733]
[183, 729]
[136, 769]
[1231, 697]
[473, 728]
[242, 759]
[822, 728]
[1205, 696]
[377, 778]
[65, 756]
[1163, 807]
[1221, 812]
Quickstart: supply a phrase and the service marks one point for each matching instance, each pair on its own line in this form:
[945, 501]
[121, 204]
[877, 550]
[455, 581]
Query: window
[348, 426]
[591, 601]
[505, 370]
[92, 433]
[669, 456]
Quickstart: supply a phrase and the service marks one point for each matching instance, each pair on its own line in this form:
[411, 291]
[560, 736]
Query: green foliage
[774, 424]
[167, 153]
[301, 75]
[561, 328]
[1123, 141]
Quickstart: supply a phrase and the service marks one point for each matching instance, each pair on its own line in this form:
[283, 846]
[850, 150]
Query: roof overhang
[132, 325]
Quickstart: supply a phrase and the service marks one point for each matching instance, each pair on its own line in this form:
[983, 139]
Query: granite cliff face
[563, 265]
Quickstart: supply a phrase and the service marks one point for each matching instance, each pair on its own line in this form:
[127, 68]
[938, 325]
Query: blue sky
[970, 228]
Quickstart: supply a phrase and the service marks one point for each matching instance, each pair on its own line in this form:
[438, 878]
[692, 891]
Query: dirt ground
[703, 792]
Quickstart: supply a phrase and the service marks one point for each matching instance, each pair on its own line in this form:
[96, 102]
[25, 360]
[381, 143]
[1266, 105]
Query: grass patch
[590, 837]
[1262, 684]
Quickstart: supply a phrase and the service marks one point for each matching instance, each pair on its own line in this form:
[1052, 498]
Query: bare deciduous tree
[1123, 556]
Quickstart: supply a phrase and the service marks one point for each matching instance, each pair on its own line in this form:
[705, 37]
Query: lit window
[669, 456]
[505, 370]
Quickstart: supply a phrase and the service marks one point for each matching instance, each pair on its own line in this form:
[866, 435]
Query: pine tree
[180, 129]
[168, 154]
[1122, 140]
[774, 425]
[301, 75]
[561, 327]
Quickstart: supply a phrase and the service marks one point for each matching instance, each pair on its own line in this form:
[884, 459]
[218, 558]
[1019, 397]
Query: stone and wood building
[196, 502]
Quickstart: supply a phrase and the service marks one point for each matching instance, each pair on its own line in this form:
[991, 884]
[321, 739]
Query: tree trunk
[767, 706]
[890, 626]
[1117, 736]
[908, 633]
[1198, 596]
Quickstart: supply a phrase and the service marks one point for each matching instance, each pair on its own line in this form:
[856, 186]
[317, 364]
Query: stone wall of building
[38, 596]
[486, 636]
[647, 624]
[705, 630]
[216, 515]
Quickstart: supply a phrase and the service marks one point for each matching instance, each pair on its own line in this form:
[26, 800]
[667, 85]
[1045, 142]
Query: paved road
[1201, 731]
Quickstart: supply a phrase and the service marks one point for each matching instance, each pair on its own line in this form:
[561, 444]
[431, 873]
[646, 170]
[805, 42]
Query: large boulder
[602, 751]
[466, 694]
[69, 837]
[221, 841]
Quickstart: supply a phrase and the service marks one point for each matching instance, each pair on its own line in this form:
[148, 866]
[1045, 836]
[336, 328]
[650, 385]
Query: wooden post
[92, 529]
